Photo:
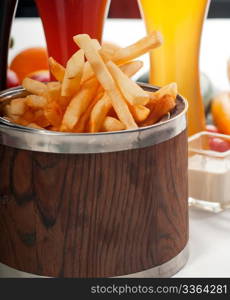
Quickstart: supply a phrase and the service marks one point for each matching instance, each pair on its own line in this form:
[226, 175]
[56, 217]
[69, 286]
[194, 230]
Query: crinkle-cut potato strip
[132, 92]
[56, 69]
[112, 124]
[34, 87]
[99, 112]
[73, 74]
[159, 109]
[106, 80]
[144, 45]
[78, 105]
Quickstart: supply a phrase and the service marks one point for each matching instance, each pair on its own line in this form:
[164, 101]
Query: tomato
[12, 79]
[218, 144]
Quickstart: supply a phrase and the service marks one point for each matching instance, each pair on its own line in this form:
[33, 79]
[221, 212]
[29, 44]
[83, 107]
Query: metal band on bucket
[25, 138]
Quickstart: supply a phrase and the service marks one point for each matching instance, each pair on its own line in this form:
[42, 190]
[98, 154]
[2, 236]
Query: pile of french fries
[94, 92]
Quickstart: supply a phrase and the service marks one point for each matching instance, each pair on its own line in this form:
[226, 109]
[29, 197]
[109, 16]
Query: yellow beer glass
[180, 22]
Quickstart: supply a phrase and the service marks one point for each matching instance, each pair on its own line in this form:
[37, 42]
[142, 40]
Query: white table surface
[209, 233]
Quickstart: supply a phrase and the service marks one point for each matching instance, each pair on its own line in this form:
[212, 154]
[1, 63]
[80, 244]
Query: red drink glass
[62, 19]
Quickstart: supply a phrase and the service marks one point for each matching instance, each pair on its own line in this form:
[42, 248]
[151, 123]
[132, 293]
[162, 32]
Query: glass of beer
[180, 23]
[62, 19]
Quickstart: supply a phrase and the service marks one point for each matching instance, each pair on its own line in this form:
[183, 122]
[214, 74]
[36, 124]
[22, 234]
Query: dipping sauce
[209, 179]
[209, 171]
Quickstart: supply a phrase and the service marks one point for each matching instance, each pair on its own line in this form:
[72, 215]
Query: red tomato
[218, 144]
[12, 79]
[41, 75]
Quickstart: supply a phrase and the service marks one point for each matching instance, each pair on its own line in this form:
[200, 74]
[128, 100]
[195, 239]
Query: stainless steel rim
[165, 270]
[56, 142]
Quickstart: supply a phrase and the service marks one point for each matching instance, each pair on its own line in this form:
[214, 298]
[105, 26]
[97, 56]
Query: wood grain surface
[93, 215]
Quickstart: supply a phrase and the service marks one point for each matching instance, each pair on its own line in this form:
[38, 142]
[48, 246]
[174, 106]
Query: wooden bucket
[94, 205]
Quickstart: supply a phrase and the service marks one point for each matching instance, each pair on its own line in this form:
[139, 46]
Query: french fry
[25, 119]
[8, 113]
[17, 107]
[96, 44]
[56, 69]
[21, 121]
[73, 74]
[96, 95]
[78, 105]
[132, 92]
[54, 128]
[112, 124]
[131, 67]
[106, 80]
[53, 113]
[35, 101]
[170, 89]
[82, 123]
[40, 118]
[109, 48]
[161, 107]
[99, 112]
[139, 112]
[123, 55]
[63, 102]
[88, 72]
[54, 91]
[35, 126]
[34, 87]
[28, 116]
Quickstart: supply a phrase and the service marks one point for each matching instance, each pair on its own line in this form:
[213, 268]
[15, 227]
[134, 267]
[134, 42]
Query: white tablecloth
[209, 233]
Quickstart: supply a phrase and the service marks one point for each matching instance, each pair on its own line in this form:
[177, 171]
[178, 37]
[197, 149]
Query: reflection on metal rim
[57, 142]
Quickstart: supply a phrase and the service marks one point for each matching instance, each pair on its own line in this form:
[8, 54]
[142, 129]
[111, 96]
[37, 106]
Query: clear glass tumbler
[62, 19]
[177, 60]
[209, 171]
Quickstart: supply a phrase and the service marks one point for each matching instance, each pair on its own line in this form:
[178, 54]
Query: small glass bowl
[209, 171]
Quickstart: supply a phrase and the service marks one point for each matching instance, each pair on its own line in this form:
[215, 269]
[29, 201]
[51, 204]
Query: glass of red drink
[62, 19]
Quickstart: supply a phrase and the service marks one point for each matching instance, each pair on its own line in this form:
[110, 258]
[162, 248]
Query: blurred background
[124, 9]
